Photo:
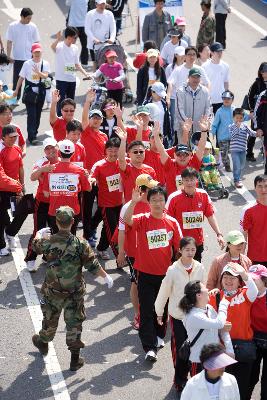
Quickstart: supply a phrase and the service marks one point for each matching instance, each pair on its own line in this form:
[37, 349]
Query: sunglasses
[68, 110]
[138, 151]
[182, 153]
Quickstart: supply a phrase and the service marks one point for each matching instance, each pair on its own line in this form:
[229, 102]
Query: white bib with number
[69, 69]
[67, 183]
[157, 238]
[113, 182]
[192, 220]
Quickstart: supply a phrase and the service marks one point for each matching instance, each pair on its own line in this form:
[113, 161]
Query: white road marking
[10, 10]
[249, 22]
[242, 191]
[51, 361]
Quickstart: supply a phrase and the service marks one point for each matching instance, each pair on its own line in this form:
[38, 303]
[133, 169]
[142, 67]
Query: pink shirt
[112, 71]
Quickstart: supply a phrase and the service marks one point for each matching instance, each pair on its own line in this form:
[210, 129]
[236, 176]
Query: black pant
[220, 28]
[83, 40]
[110, 217]
[148, 287]
[40, 221]
[215, 107]
[255, 374]
[242, 372]
[54, 228]
[250, 146]
[90, 223]
[34, 112]
[198, 255]
[179, 335]
[116, 95]
[66, 90]
[16, 70]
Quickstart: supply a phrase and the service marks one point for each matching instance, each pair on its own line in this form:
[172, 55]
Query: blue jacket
[223, 118]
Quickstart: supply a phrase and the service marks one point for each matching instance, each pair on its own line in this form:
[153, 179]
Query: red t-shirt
[254, 221]
[20, 141]
[64, 184]
[173, 172]
[11, 160]
[190, 212]
[79, 155]
[132, 132]
[40, 194]
[129, 176]
[108, 179]
[259, 314]
[8, 184]
[152, 159]
[155, 239]
[94, 144]
[59, 129]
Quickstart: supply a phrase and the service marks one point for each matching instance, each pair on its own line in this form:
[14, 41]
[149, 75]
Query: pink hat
[257, 271]
[218, 361]
[111, 53]
[180, 21]
[36, 47]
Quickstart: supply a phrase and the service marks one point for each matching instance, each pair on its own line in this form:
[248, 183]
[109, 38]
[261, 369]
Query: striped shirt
[239, 136]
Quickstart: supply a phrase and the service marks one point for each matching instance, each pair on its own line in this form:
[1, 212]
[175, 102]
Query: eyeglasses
[181, 153]
[138, 151]
[68, 110]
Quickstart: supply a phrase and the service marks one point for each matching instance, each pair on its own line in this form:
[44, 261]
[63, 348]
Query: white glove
[109, 281]
[45, 233]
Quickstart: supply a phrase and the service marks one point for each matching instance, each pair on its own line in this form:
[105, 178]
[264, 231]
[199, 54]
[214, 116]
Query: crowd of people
[151, 181]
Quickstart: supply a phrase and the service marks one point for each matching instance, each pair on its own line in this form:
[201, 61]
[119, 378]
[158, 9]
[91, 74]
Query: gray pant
[224, 147]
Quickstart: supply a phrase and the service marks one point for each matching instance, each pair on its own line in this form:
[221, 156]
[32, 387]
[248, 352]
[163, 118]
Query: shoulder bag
[185, 349]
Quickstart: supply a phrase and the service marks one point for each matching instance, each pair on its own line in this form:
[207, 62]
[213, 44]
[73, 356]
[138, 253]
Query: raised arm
[58, 39]
[90, 96]
[122, 149]
[136, 197]
[159, 144]
[53, 108]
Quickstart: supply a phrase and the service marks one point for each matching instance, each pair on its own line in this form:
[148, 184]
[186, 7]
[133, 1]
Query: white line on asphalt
[249, 22]
[54, 372]
[242, 191]
[10, 10]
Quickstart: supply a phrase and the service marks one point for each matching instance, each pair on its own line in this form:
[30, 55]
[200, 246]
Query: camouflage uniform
[206, 31]
[64, 285]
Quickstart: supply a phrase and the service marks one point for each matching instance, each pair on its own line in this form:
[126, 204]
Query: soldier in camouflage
[64, 285]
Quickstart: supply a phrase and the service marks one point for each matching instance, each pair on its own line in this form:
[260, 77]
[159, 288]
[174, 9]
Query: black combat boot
[42, 346]
[76, 361]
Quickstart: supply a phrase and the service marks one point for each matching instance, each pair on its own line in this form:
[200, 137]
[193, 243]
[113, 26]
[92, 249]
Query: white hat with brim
[218, 361]
[49, 142]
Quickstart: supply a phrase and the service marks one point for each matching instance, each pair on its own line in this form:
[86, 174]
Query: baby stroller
[100, 90]
[217, 191]
[101, 59]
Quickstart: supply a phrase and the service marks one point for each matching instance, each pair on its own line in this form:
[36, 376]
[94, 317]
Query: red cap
[36, 47]
[111, 53]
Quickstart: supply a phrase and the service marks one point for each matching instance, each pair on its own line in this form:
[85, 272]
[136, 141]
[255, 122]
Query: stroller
[220, 192]
[101, 59]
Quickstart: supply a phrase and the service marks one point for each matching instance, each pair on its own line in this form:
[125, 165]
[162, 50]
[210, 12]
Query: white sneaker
[151, 356]
[11, 242]
[4, 252]
[160, 343]
[103, 254]
[31, 266]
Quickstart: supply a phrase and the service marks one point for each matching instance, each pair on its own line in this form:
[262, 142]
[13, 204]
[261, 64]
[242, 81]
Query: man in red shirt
[94, 143]
[73, 133]
[40, 216]
[183, 157]
[6, 119]
[63, 184]
[253, 222]
[107, 175]
[157, 242]
[130, 170]
[189, 206]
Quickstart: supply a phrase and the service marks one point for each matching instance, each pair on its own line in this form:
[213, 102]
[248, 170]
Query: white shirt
[160, 113]
[77, 13]
[28, 73]
[22, 37]
[99, 26]
[180, 76]
[168, 71]
[218, 74]
[66, 58]
[168, 49]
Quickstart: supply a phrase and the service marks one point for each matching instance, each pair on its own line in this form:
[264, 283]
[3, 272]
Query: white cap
[100, 1]
[159, 88]
[49, 142]
[66, 146]
[179, 51]
[208, 145]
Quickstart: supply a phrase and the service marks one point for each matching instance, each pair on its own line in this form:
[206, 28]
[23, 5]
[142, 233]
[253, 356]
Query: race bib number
[178, 181]
[113, 182]
[66, 184]
[192, 220]
[158, 238]
[69, 69]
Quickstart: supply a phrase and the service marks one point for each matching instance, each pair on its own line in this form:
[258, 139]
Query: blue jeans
[239, 161]
[66, 90]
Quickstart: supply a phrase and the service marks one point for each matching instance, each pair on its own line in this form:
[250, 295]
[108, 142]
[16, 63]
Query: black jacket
[105, 128]
[255, 89]
[168, 138]
[142, 83]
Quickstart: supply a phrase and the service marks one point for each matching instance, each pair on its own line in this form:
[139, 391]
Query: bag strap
[41, 71]
[196, 337]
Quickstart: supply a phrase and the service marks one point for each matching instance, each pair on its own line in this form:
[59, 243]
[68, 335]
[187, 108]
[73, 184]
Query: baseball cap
[36, 47]
[208, 145]
[216, 46]
[142, 110]
[159, 89]
[146, 180]
[257, 271]
[235, 237]
[152, 53]
[49, 142]
[182, 148]
[180, 21]
[227, 95]
[175, 32]
[64, 215]
[179, 51]
[95, 111]
[111, 53]
[217, 361]
[194, 72]
[228, 268]
[100, 1]
[66, 146]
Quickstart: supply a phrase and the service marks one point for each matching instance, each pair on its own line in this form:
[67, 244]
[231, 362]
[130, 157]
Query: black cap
[216, 46]
[182, 148]
[175, 32]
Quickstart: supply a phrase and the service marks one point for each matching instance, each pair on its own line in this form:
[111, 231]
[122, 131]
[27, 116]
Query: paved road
[115, 366]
